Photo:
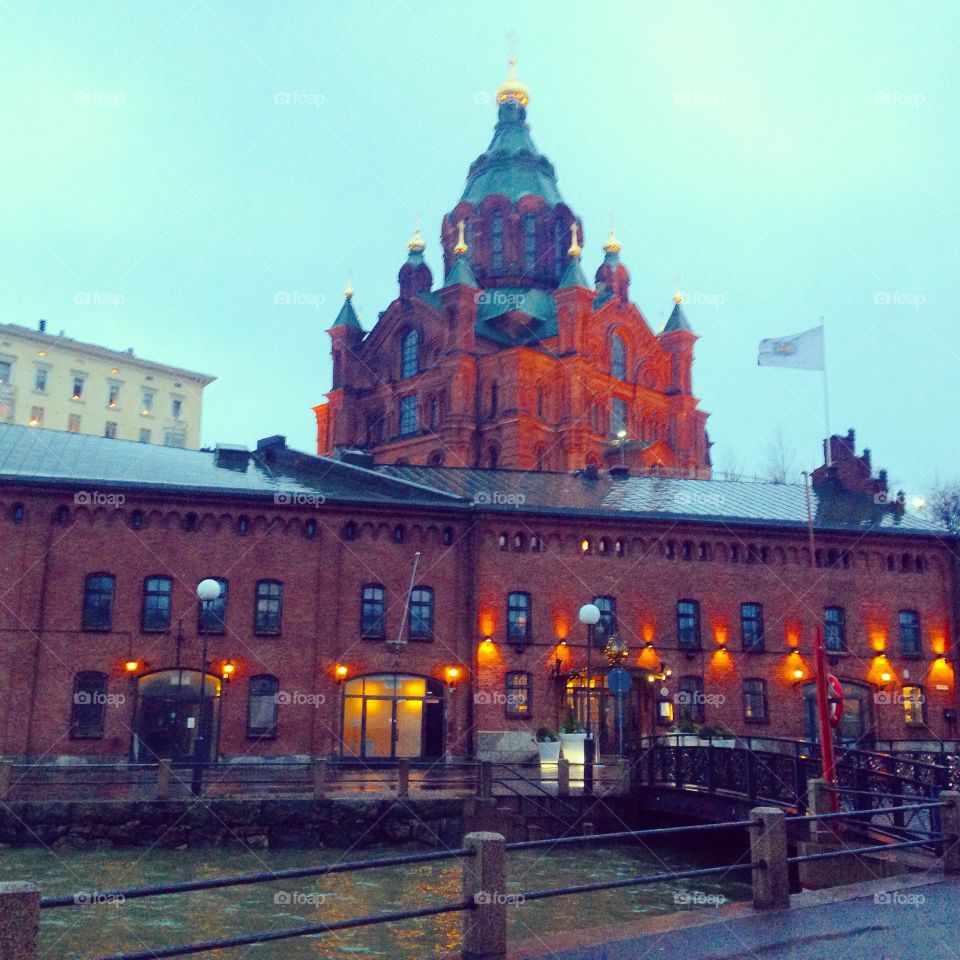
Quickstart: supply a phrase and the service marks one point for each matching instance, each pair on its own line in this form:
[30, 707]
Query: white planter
[572, 744]
[549, 751]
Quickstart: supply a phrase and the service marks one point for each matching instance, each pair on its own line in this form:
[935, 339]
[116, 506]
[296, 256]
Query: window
[913, 706]
[212, 615]
[410, 355]
[243, 526]
[175, 438]
[560, 246]
[268, 608]
[144, 434]
[618, 357]
[539, 400]
[408, 415]
[6, 371]
[17, 513]
[136, 519]
[73, 423]
[89, 705]
[176, 408]
[36, 416]
[146, 402]
[688, 625]
[751, 626]
[98, 601]
[310, 529]
[39, 379]
[349, 530]
[421, 613]
[399, 533]
[372, 610]
[910, 633]
[519, 694]
[434, 412]
[110, 430]
[494, 399]
[607, 624]
[518, 617]
[529, 242]
[618, 415]
[690, 700]
[496, 242]
[493, 458]
[113, 395]
[755, 707]
[262, 702]
[77, 392]
[834, 629]
[155, 617]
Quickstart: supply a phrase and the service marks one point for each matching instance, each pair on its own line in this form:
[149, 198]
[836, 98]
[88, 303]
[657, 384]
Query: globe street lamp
[589, 615]
[208, 592]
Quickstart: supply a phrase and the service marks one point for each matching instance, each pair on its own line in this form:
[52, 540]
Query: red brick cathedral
[515, 361]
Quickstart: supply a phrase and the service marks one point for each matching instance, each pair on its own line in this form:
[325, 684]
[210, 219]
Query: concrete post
[768, 846]
[6, 778]
[403, 777]
[319, 778]
[950, 828]
[819, 801]
[485, 886]
[623, 776]
[19, 920]
[164, 772]
[485, 779]
[563, 777]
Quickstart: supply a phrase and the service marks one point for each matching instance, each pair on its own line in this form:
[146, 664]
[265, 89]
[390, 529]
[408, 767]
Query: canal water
[96, 930]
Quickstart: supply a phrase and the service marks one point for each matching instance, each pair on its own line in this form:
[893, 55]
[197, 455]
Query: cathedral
[515, 361]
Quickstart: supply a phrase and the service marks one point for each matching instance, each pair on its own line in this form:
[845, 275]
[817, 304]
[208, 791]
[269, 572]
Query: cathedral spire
[512, 88]
[573, 275]
[461, 245]
[347, 317]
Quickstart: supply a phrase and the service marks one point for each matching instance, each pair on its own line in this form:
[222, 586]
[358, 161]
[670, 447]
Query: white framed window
[40, 377]
[147, 398]
[110, 430]
[6, 370]
[113, 395]
[176, 408]
[144, 434]
[79, 382]
[73, 423]
[36, 416]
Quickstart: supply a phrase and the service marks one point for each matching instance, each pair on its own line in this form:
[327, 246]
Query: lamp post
[207, 592]
[589, 615]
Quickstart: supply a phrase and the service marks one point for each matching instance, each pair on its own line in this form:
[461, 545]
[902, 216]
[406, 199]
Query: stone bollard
[485, 886]
[623, 776]
[6, 778]
[950, 828]
[485, 779]
[819, 800]
[319, 778]
[164, 773]
[768, 846]
[19, 920]
[563, 777]
[403, 777]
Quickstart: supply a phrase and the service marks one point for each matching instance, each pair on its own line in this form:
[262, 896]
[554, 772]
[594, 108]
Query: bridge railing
[484, 882]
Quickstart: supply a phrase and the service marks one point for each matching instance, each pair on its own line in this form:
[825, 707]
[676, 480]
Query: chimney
[356, 458]
[42, 326]
[229, 456]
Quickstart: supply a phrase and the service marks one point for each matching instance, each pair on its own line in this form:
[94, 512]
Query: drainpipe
[41, 626]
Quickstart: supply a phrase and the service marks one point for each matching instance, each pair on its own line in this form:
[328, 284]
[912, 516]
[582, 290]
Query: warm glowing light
[341, 671]
[453, 673]
[228, 668]
[878, 640]
[132, 666]
[885, 676]
[622, 434]
[918, 503]
[584, 546]
[650, 678]
[41, 353]
[488, 640]
[798, 674]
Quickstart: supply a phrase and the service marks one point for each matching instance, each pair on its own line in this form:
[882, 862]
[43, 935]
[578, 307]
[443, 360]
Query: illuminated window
[36, 416]
[519, 694]
[113, 395]
[607, 624]
[913, 706]
[146, 402]
[618, 415]
[755, 706]
[910, 633]
[77, 392]
[519, 626]
[751, 625]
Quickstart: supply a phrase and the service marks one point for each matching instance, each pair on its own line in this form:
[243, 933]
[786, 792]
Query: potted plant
[572, 737]
[548, 745]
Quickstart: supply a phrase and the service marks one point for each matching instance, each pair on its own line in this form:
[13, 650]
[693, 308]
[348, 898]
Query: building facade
[709, 585]
[61, 384]
[515, 360]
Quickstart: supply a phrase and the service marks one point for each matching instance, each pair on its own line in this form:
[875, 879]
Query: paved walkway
[880, 920]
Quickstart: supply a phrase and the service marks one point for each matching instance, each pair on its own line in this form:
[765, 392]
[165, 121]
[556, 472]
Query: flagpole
[826, 393]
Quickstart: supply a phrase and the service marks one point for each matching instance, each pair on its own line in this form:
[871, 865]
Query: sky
[198, 180]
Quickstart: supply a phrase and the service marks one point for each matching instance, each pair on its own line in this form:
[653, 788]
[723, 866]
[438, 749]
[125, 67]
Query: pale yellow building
[57, 383]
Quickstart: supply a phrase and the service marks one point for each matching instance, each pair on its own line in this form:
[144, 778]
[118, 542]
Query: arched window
[349, 530]
[434, 412]
[268, 608]
[496, 242]
[436, 459]
[618, 357]
[539, 457]
[310, 529]
[529, 242]
[421, 613]
[98, 601]
[136, 519]
[262, 699]
[399, 533]
[560, 235]
[540, 404]
[493, 457]
[16, 513]
[410, 355]
[157, 593]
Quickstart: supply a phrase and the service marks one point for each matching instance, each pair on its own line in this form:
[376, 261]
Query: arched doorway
[856, 726]
[389, 715]
[168, 716]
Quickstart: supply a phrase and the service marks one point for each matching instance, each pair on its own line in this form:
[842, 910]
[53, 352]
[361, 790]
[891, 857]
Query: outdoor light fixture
[229, 668]
[132, 667]
[584, 546]
[341, 672]
[453, 676]
[885, 677]
[798, 674]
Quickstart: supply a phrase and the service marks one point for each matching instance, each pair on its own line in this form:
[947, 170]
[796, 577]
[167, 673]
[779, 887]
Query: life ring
[834, 700]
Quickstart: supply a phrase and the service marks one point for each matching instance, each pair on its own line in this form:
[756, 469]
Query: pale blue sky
[787, 160]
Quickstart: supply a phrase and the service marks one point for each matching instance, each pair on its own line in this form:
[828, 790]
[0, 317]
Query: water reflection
[81, 932]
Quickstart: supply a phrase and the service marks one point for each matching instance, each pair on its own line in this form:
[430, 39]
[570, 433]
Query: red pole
[823, 713]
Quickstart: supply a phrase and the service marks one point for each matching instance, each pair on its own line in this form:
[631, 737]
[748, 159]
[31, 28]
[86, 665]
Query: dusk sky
[198, 181]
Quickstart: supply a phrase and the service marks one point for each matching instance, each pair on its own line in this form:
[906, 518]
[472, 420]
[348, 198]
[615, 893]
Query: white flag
[804, 351]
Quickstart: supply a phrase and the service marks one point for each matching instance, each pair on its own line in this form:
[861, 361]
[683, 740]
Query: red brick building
[514, 360]
[708, 583]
